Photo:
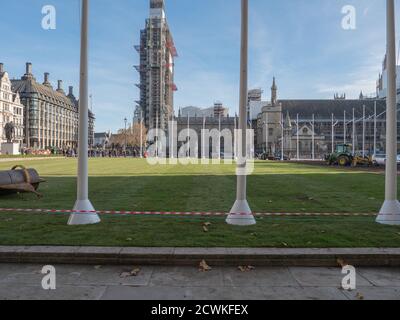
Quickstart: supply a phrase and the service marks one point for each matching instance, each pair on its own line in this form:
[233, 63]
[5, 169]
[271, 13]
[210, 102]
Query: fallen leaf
[133, 273]
[129, 239]
[245, 268]
[341, 263]
[97, 267]
[125, 275]
[204, 267]
[285, 244]
[359, 296]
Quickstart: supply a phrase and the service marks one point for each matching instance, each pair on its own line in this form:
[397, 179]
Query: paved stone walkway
[19, 281]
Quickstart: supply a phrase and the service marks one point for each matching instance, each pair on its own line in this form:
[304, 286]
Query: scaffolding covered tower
[157, 53]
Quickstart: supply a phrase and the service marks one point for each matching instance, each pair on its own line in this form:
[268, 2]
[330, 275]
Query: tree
[131, 136]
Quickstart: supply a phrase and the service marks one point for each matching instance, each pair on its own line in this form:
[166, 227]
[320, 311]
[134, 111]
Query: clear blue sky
[301, 42]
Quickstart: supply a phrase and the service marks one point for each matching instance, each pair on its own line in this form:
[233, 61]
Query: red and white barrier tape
[202, 214]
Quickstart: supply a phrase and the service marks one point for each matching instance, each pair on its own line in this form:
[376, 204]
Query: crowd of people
[93, 152]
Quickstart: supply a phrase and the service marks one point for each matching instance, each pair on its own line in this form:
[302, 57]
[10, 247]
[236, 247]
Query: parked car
[380, 159]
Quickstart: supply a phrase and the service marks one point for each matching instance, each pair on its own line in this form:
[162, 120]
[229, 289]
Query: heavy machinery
[20, 179]
[343, 156]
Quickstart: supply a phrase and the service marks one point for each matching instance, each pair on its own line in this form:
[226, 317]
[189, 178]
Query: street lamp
[390, 212]
[241, 214]
[126, 142]
[83, 203]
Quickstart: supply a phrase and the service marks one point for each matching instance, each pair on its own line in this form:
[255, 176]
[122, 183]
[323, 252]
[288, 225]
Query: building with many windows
[50, 115]
[310, 128]
[11, 109]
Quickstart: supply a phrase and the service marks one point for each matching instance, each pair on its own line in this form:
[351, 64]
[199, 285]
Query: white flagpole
[354, 131]
[83, 203]
[344, 128]
[375, 128]
[188, 135]
[333, 137]
[390, 212]
[219, 137]
[157, 124]
[313, 137]
[141, 134]
[241, 205]
[283, 138]
[363, 140]
[203, 138]
[267, 136]
[298, 138]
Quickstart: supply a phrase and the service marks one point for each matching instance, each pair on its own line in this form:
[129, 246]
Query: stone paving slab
[183, 293]
[382, 277]
[23, 281]
[12, 292]
[374, 293]
[301, 293]
[325, 277]
[185, 277]
[260, 277]
[389, 257]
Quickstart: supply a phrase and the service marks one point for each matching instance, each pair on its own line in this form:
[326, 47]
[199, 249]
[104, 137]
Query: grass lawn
[127, 184]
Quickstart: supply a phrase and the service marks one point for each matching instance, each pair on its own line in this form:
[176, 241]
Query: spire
[288, 123]
[274, 93]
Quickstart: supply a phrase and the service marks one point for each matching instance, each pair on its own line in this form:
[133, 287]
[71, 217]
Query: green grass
[127, 184]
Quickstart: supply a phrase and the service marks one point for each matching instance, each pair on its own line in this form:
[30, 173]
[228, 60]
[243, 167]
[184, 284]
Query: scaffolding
[157, 53]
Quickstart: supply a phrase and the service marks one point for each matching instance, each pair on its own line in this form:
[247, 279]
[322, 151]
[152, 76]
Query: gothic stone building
[50, 116]
[208, 123]
[310, 122]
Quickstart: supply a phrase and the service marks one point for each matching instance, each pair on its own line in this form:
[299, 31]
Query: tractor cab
[344, 149]
[343, 155]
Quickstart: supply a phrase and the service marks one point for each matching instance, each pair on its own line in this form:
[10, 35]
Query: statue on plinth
[10, 132]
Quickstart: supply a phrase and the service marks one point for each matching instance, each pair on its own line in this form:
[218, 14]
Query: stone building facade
[11, 109]
[51, 116]
[217, 145]
[306, 125]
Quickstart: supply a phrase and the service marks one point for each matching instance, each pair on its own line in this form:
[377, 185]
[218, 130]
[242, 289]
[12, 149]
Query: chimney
[71, 90]
[59, 88]
[28, 68]
[46, 79]
[1, 67]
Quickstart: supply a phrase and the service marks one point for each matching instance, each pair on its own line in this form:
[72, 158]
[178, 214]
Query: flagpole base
[241, 214]
[83, 218]
[390, 213]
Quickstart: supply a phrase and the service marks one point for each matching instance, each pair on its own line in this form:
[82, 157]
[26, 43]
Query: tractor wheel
[343, 161]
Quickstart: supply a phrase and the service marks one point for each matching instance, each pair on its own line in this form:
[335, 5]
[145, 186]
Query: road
[186, 283]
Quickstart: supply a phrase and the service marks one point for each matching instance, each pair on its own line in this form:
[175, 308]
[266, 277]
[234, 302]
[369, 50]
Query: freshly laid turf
[128, 184]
